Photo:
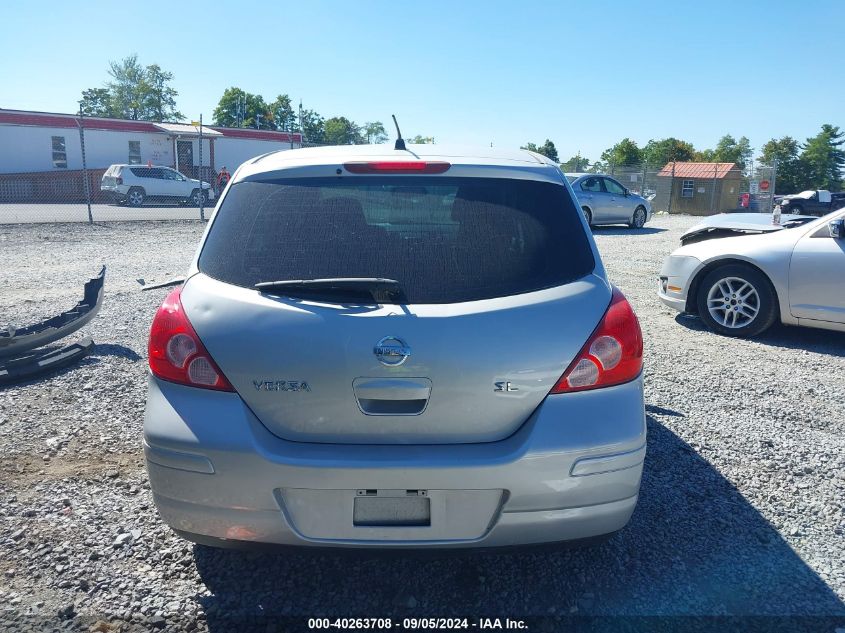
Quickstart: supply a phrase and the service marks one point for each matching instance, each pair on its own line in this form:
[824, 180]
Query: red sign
[764, 185]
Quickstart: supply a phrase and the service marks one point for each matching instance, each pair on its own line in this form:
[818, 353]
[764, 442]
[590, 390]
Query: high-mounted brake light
[397, 167]
[611, 356]
[176, 352]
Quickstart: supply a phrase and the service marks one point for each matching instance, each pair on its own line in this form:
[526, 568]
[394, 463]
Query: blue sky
[582, 74]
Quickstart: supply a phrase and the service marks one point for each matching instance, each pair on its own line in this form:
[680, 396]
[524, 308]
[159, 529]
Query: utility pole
[671, 188]
[202, 191]
[772, 185]
[301, 129]
[642, 185]
[80, 122]
[713, 192]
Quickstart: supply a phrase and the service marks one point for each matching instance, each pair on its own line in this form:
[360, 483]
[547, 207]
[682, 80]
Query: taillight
[397, 167]
[611, 356]
[176, 352]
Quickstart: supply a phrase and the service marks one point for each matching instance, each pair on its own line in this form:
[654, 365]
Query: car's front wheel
[638, 219]
[135, 197]
[588, 216]
[736, 300]
[197, 196]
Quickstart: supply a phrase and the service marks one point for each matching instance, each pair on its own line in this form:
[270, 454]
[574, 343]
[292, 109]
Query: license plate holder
[411, 508]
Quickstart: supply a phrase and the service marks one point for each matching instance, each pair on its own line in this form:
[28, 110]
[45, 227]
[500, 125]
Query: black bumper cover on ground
[15, 342]
[37, 364]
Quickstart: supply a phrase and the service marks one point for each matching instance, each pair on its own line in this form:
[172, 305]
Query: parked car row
[136, 184]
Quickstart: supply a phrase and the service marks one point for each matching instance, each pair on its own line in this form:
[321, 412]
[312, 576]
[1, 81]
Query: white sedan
[740, 273]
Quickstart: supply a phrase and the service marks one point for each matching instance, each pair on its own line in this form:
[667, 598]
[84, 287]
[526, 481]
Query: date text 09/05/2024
[353, 624]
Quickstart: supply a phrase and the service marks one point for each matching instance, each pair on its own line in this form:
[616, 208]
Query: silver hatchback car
[387, 348]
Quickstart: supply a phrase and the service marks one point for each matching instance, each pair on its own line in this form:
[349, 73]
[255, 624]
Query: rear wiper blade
[377, 288]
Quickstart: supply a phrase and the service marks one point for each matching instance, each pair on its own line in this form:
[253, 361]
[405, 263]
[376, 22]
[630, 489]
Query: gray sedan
[741, 285]
[604, 200]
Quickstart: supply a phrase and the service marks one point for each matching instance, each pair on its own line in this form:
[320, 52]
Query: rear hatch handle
[392, 396]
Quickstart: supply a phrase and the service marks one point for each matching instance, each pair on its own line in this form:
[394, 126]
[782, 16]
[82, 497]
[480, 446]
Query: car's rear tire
[588, 216]
[737, 300]
[639, 218]
[195, 197]
[135, 197]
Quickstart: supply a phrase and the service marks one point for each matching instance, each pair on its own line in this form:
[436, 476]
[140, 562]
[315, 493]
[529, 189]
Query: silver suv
[387, 348]
[136, 184]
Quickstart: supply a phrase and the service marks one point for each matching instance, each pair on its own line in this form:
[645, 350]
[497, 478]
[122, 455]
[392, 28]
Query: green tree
[128, 87]
[238, 108]
[421, 140]
[623, 154]
[134, 92]
[375, 132]
[705, 156]
[97, 102]
[282, 114]
[658, 153]
[824, 158]
[729, 150]
[791, 174]
[576, 164]
[312, 126]
[547, 149]
[341, 131]
[158, 101]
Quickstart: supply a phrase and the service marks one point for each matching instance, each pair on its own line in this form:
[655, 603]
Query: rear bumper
[113, 194]
[571, 472]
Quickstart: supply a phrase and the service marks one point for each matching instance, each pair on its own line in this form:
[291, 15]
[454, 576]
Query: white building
[41, 153]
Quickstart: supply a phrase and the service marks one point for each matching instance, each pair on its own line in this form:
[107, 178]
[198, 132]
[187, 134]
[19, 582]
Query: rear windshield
[444, 240]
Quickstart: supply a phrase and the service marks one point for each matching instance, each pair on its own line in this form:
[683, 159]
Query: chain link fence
[699, 188]
[69, 168]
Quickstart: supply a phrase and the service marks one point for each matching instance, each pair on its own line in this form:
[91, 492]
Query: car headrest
[345, 213]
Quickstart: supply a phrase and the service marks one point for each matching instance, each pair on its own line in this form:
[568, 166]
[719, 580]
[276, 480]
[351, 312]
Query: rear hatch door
[499, 295]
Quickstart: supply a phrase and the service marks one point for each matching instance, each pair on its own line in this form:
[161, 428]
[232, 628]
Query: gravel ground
[741, 512]
[101, 212]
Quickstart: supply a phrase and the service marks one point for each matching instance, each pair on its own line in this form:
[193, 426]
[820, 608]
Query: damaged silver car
[743, 274]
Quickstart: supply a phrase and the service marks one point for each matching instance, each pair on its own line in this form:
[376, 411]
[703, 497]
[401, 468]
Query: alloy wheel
[639, 218]
[733, 302]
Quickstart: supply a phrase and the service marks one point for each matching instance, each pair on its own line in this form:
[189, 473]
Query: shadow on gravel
[111, 349]
[652, 408]
[695, 546]
[624, 230]
[810, 339]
